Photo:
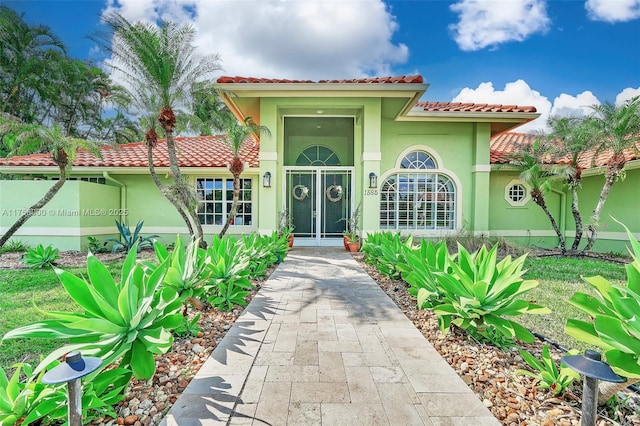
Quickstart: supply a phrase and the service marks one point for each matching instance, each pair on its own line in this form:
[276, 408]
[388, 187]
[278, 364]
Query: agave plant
[130, 320]
[615, 325]
[479, 293]
[229, 268]
[40, 256]
[386, 250]
[128, 240]
[418, 268]
[548, 375]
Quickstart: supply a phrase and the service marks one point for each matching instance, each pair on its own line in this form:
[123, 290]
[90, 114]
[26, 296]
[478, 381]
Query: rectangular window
[216, 198]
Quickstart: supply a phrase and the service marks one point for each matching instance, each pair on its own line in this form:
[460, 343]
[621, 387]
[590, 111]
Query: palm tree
[27, 139]
[576, 141]
[616, 130]
[159, 66]
[530, 160]
[236, 134]
[23, 61]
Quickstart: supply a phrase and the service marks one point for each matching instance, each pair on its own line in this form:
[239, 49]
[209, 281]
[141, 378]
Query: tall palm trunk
[538, 198]
[607, 389]
[610, 179]
[577, 217]
[234, 204]
[156, 180]
[31, 211]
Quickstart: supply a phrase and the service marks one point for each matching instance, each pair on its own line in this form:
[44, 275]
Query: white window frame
[226, 203]
[507, 193]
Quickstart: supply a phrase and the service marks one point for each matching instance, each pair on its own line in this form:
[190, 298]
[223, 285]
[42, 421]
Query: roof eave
[80, 170]
[277, 89]
[462, 116]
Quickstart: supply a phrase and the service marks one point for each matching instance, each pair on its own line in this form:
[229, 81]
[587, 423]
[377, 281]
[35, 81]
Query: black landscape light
[70, 372]
[593, 369]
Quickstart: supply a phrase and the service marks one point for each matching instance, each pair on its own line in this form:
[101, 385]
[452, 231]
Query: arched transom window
[419, 198]
[318, 155]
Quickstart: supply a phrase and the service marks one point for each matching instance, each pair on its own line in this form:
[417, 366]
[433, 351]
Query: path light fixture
[373, 181]
[593, 369]
[266, 180]
[70, 372]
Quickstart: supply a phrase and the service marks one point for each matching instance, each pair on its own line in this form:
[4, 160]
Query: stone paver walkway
[322, 344]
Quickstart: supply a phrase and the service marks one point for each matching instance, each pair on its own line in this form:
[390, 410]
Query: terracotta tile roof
[471, 107]
[370, 80]
[198, 151]
[505, 144]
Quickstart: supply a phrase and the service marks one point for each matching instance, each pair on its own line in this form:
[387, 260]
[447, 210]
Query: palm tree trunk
[577, 218]
[234, 205]
[156, 180]
[607, 389]
[610, 179]
[554, 224]
[36, 207]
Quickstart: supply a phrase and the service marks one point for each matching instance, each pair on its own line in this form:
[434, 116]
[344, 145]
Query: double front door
[319, 200]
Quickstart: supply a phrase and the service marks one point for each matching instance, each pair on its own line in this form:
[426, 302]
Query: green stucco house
[420, 167]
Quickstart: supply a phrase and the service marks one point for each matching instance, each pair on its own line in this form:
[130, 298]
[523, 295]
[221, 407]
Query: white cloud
[306, 39]
[613, 11]
[627, 94]
[517, 92]
[485, 23]
[574, 106]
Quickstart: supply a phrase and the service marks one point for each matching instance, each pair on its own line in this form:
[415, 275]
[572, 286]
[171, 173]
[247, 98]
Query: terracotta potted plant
[351, 238]
[285, 226]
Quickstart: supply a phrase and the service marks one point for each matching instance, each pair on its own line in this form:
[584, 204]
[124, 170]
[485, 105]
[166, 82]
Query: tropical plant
[186, 270]
[228, 282]
[616, 129]
[615, 326]
[285, 223]
[129, 321]
[478, 293]
[547, 373]
[14, 246]
[128, 240]
[237, 134]
[352, 222]
[28, 401]
[576, 142]
[96, 246]
[532, 162]
[40, 256]
[26, 139]
[161, 69]
[386, 251]
[188, 327]
[418, 268]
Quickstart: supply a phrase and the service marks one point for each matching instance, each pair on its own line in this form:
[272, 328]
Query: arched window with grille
[418, 197]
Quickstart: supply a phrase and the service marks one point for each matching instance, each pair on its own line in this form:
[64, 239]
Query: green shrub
[13, 246]
[385, 251]
[479, 292]
[229, 270]
[547, 373]
[40, 256]
[129, 239]
[96, 246]
[130, 321]
[615, 327]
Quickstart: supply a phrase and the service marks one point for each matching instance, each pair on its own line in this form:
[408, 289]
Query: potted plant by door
[285, 226]
[351, 237]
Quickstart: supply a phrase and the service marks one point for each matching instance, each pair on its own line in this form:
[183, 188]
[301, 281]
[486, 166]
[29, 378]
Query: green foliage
[188, 327]
[263, 251]
[353, 221]
[96, 246]
[28, 401]
[547, 373]
[615, 327]
[129, 239]
[229, 271]
[13, 246]
[40, 257]
[130, 320]
[386, 250]
[479, 292]
[417, 270]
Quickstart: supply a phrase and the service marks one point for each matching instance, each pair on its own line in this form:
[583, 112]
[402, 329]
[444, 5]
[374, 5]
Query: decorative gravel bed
[489, 371]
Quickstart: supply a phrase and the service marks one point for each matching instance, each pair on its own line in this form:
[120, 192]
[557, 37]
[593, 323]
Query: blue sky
[557, 55]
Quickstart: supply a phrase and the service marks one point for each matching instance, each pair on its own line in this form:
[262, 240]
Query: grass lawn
[23, 293]
[559, 279]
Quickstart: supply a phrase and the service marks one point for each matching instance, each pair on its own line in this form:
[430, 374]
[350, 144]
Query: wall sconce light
[266, 180]
[373, 180]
